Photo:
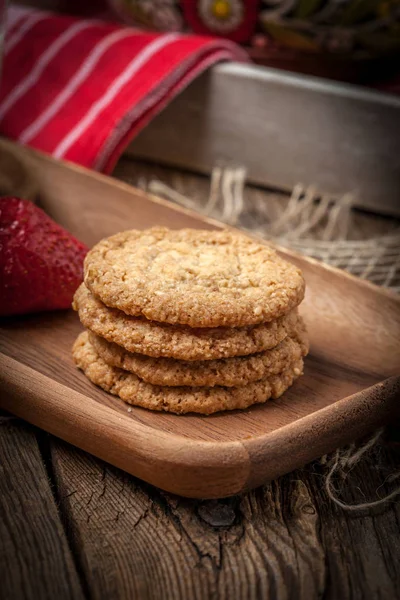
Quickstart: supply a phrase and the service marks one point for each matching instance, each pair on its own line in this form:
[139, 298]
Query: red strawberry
[40, 262]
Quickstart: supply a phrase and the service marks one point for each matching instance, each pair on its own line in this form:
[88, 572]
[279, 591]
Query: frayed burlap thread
[312, 224]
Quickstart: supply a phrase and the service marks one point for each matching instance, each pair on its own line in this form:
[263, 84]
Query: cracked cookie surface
[178, 400]
[228, 372]
[193, 277]
[139, 335]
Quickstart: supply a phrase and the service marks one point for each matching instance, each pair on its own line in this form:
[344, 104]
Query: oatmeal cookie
[193, 277]
[227, 372]
[137, 334]
[203, 400]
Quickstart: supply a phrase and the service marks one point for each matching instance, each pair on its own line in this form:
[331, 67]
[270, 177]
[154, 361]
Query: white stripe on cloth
[182, 75]
[80, 76]
[14, 14]
[29, 22]
[112, 91]
[31, 78]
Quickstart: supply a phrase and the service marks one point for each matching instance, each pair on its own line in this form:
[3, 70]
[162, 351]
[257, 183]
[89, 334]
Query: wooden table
[73, 527]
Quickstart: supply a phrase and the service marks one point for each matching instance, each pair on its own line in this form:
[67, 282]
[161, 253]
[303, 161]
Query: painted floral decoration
[234, 19]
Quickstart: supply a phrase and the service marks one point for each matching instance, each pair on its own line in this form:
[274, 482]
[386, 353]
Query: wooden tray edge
[196, 469]
[171, 462]
[306, 439]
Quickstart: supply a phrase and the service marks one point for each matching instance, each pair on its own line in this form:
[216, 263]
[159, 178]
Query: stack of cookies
[190, 321]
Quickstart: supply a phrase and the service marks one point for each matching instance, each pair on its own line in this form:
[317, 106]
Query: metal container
[285, 129]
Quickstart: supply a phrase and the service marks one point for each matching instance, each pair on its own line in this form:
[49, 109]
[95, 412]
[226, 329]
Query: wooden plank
[362, 560]
[285, 540]
[284, 129]
[35, 559]
[137, 542]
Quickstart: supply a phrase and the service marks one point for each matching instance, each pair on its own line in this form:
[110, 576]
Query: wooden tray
[349, 388]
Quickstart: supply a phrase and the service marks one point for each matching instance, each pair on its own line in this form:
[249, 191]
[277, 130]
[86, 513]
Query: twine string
[346, 459]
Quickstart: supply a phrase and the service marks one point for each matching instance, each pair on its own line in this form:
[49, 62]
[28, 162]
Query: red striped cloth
[82, 89]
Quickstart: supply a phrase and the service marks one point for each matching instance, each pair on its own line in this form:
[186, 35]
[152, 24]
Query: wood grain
[339, 398]
[285, 540]
[158, 546]
[35, 559]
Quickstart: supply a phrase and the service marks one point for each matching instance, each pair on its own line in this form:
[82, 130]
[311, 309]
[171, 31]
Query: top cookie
[193, 277]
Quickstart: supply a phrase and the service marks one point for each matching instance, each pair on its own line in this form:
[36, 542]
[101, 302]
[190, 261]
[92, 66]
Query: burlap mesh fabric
[319, 226]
